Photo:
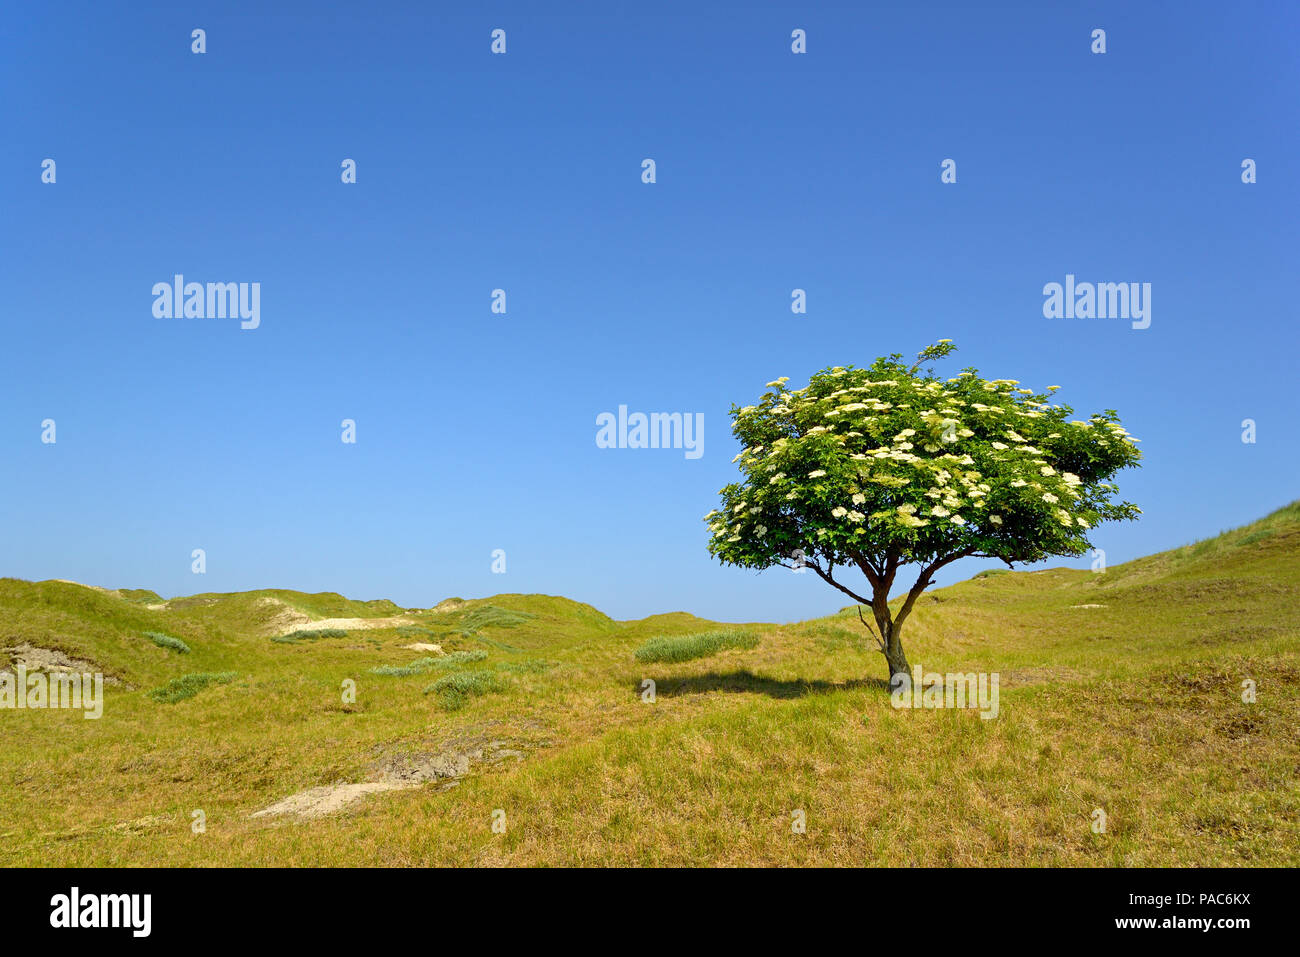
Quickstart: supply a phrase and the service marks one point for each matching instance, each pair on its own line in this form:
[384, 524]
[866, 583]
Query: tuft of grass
[187, 686]
[423, 665]
[454, 690]
[167, 641]
[674, 648]
[490, 616]
[1257, 536]
[533, 666]
[417, 667]
[415, 631]
[989, 573]
[311, 635]
[459, 658]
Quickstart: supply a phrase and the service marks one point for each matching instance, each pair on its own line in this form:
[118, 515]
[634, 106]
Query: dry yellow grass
[1121, 691]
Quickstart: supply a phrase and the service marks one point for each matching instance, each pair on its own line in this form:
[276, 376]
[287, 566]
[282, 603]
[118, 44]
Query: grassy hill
[1119, 691]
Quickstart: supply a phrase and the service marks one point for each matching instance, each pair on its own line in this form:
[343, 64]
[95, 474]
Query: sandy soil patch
[395, 773]
[52, 660]
[350, 624]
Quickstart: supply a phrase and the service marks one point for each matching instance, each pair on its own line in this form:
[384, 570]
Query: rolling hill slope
[1119, 692]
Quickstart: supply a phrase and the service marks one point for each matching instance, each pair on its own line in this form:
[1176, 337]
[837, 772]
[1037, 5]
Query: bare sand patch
[349, 624]
[52, 660]
[400, 772]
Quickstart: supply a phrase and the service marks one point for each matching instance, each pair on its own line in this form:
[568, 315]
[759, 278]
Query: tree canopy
[890, 465]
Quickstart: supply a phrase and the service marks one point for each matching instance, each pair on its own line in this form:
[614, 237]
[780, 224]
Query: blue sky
[775, 171]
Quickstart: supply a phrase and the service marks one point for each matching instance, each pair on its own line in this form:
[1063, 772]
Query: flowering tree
[889, 466]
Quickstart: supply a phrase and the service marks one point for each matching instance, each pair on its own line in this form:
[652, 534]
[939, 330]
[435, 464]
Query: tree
[890, 466]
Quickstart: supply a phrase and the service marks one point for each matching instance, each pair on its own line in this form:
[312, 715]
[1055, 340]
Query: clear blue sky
[775, 171]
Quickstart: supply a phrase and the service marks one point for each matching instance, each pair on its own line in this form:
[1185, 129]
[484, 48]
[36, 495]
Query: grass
[461, 658]
[187, 686]
[311, 634]
[417, 667]
[675, 648]
[167, 641]
[424, 665]
[454, 690]
[1119, 690]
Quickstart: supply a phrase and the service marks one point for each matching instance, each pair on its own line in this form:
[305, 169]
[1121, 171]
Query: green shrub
[187, 686]
[167, 641]
[454, 690]
[673, 648]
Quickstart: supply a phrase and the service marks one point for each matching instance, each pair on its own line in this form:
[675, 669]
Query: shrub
[673, 648]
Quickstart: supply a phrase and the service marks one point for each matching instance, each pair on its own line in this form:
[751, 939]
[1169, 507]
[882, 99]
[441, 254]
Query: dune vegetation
[1120, 691]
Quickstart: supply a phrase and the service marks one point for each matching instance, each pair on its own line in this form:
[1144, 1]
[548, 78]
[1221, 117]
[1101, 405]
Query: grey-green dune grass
[1124, 690]
[167, 641]
[187, 686]
[453, 690]
[702, 644]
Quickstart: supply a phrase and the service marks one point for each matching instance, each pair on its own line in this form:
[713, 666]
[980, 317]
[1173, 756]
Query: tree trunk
[896, 658]
[891, 637]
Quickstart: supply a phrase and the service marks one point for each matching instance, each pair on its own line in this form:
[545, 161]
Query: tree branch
[871, 631]
[829, 578]
[923, 581]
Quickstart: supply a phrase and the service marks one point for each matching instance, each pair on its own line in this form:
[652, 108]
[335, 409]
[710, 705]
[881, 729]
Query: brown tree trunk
[891, 638]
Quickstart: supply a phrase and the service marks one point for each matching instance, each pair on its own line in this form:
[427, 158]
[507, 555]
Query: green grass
[676, 648]
[187, 686]
[1119, 690]
[532, 666]
[311, 634]
[417, 667]
[167, 641]
[453, 691]
[456, 658]
[424, 665]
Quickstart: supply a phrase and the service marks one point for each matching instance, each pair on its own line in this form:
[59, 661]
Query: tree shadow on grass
[745, 680]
